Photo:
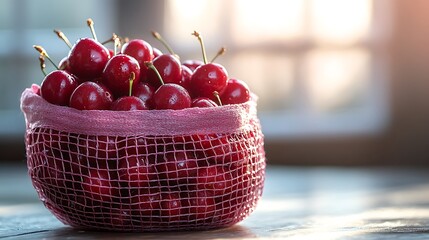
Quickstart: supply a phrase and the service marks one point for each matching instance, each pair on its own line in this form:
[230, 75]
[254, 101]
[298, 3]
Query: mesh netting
[200, 174]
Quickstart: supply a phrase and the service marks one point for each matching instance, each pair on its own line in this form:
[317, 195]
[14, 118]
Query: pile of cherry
[118, 182]
[136, 76]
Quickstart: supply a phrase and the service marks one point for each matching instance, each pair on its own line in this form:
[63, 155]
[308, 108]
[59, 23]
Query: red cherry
[145, 92]
[100, 152]
[172, 96]
[192, 64]
[64, 64]
[145, 204]
[57, 87]
[178, 167]
[208, 78]
[171, 207]
[202, 205]
[156, 53]
[203, 102]
[111, 53]
[142, 52]
[129, 103]
[88, 58]
[116, 74]
[91, 96]
[214, 179]
[136, 172]
[235, 92]
[168, 67]
[98, 185]
[186, 78]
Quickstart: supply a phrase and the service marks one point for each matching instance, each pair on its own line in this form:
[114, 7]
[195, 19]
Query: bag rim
[223, 119]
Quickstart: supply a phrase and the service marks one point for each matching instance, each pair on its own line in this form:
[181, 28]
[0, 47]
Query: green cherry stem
[216, 94]
[162, 40]
[132, 77]
[42, 64]
[43, 52]
[90, 24]
[62, 36]
[219, 53]
[151, 66]
[203, 49]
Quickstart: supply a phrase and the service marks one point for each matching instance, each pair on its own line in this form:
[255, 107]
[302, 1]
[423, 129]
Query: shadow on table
[234, 232]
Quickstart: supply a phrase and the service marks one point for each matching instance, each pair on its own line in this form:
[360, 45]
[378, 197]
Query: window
[24, 23]
[317, 65]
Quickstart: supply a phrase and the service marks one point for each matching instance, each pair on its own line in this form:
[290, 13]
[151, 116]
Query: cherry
[64, 64]
[192, 64]
[235, 92]
[172, 96]
[129, 103]
[156, 52]
[57, 87]
[145, 204]
[98, 185]
[207, 79]
[117, 73]
[142, 52]
[221, 148]
[171, 207]
[145, 92]
[91, 96]
[202, 205]
[186, 78]
[100, 152]
[168, 67]
[136, 172]
[178, 167]
[88, 58]
[214, 179]
[203, 102]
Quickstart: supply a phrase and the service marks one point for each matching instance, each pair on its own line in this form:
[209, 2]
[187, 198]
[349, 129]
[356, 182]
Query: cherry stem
[42, 64]
[43, 52]
[162, 40]
[111, 39]
[62, 36]
[151, 66]
[216, 94]
[203, 49]
[90, 24]
[132, 77]
[219, 53]
[117, 45]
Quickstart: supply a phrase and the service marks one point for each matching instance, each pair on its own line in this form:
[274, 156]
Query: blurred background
[339, 82]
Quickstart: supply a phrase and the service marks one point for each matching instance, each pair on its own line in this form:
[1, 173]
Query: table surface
[298, 203]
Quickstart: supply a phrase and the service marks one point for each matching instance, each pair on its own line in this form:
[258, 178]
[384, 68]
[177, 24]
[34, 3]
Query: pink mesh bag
[153, 170]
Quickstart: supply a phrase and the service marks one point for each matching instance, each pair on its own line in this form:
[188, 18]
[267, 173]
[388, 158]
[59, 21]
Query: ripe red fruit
[202, 205]
[192, 64]
[142, 52]
[186, 78]
[116, 74]
[203, 102]
[168, 67]
[98, 185]
[57, 87]
[145, 204]
[207, 79]
[156, 53]
[214, 179]
[178, 167]
[171, 207]
[136, 172]
[128, 103]
[145, 92]
[91, 96]
[64, 64]
[235, 92]
[88, 58]
[171, 96]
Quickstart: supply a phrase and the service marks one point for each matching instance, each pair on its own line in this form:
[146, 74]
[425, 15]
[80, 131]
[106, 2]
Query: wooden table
[298, 203]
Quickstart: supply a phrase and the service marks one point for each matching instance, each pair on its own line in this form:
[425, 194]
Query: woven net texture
[154, 170]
